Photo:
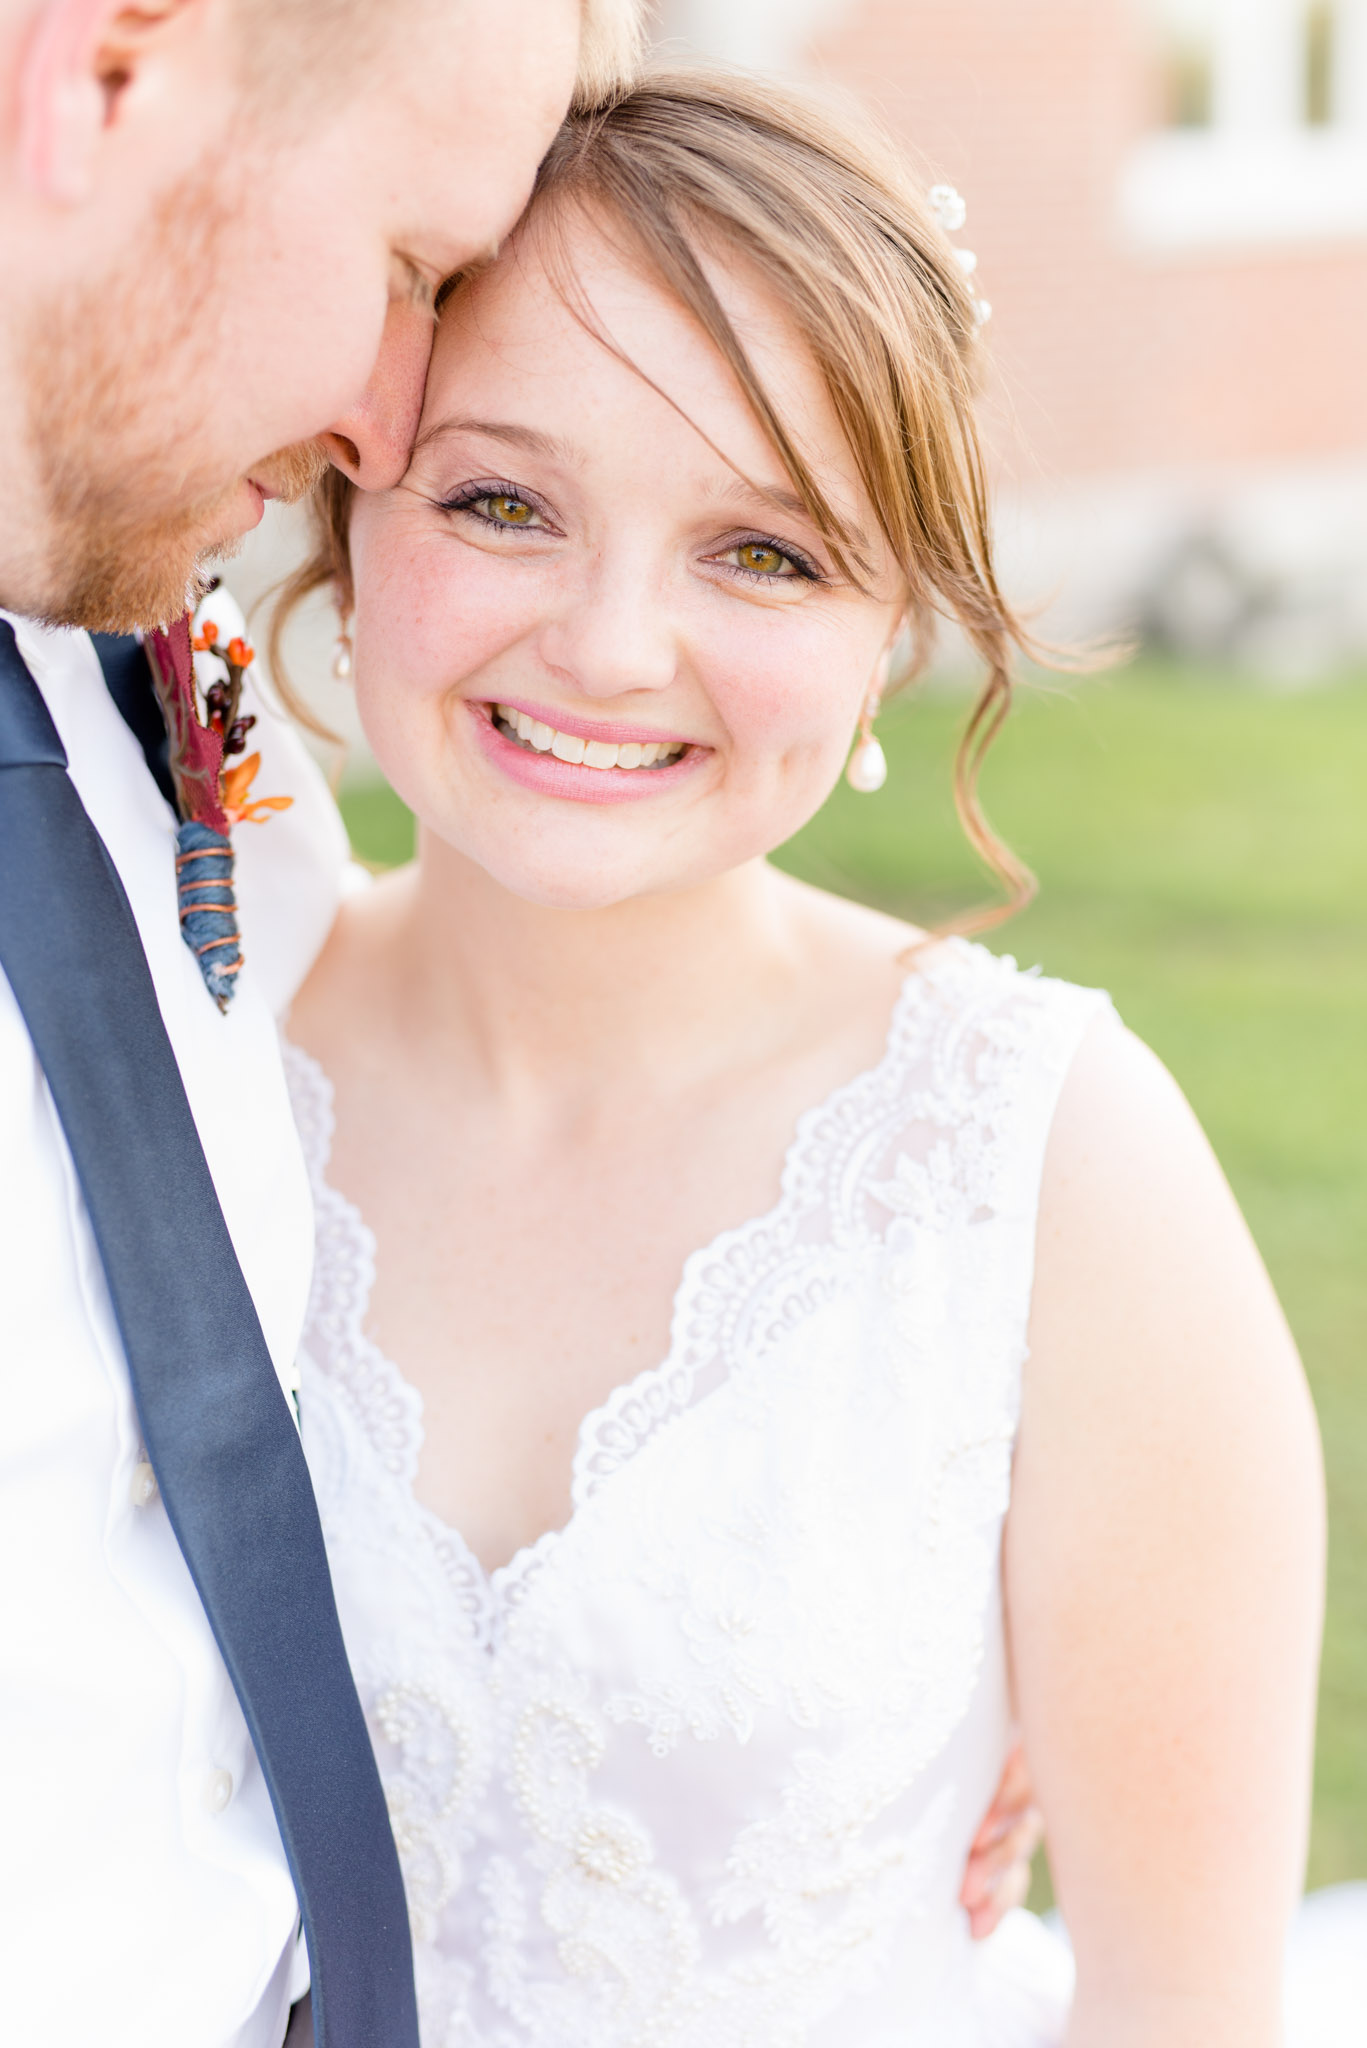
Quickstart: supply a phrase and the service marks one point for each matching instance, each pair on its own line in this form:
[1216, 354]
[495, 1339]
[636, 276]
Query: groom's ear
[90, 65]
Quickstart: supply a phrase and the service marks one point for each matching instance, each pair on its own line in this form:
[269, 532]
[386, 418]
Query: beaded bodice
[702, 1767]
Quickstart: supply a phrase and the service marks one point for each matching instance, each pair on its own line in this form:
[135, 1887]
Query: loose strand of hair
[326, 567]
[988, 716]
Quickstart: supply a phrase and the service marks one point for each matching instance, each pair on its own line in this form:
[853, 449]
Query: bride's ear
[86, 63]
[896, 656]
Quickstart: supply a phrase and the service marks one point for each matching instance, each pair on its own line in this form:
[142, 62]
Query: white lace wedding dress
[702, 1768]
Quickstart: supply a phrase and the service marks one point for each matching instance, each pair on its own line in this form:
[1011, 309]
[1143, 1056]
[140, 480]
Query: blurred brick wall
[1108, 358]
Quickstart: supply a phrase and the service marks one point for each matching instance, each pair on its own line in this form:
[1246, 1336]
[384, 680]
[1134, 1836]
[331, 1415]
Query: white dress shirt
[145, 1899]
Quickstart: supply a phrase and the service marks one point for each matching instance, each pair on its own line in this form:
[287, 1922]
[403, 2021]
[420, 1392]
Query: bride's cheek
[474, 610]
[789, 704]
[430, 646]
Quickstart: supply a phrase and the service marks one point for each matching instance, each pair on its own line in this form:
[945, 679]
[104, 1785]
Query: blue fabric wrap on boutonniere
[210, 796]
[208, 906]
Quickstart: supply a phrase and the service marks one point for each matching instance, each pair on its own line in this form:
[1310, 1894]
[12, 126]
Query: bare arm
[997, 1875]
[1164, 1567]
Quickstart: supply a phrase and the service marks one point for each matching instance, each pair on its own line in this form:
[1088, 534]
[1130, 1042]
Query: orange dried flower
[238, 805]
[257, 813]
[240, 654]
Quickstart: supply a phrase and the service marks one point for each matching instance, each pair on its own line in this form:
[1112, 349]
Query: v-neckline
[499, 1588]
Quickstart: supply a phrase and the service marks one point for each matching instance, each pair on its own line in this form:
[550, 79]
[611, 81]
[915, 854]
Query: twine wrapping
[208, 907]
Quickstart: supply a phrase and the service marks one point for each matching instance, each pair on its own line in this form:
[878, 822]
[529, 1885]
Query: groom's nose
[372, 442]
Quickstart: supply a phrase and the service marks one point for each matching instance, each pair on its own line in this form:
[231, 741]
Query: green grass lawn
[1202, 850]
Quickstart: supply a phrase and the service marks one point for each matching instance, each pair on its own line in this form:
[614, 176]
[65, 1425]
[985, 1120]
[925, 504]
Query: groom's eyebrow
[508, 431]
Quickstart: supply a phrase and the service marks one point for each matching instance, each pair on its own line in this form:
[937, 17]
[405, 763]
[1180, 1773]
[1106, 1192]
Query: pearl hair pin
[949, 209]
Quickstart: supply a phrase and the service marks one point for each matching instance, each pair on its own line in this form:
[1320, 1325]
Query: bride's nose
[613, 635]
[372, 442]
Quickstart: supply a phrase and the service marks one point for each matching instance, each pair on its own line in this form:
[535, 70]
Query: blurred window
[1187, 62]
[1261, 134]
[763, 35]
[1320, 40]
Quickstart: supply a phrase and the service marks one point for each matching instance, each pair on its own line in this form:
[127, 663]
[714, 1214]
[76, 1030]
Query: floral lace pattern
[701, 1767]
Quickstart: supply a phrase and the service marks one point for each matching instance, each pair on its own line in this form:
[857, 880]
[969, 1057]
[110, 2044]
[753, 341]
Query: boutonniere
[201, 702]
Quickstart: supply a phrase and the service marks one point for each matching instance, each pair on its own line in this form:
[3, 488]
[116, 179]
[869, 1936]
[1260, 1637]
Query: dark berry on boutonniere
[221, 701]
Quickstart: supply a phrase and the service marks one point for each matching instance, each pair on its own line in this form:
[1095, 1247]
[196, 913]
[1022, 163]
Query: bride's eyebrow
[737, 491]
[509, 432]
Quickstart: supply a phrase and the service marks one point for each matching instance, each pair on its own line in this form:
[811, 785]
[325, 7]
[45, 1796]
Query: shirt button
[218, 1790]
[144, 1487]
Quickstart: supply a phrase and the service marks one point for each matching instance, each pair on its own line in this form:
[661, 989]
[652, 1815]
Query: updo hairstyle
[823, 208]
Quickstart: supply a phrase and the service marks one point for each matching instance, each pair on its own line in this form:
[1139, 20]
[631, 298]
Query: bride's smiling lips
[535, 755]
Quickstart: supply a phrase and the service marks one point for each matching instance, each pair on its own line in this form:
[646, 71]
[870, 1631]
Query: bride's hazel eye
[509, 511]
[763, 561]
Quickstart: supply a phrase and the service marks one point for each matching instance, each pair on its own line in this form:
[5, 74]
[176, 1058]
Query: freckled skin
[627, 574]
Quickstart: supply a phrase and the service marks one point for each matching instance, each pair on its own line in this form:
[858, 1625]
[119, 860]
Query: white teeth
[590, 753]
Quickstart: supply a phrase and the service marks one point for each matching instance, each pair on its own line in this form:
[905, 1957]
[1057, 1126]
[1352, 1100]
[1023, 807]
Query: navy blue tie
[216, 1425]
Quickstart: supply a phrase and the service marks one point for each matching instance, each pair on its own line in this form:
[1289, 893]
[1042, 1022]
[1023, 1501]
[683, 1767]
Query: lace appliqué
[389, 1410]
[679, 1773]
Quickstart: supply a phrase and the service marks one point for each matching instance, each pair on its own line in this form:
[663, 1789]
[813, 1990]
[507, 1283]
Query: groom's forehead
[283, 43]
[286, 41]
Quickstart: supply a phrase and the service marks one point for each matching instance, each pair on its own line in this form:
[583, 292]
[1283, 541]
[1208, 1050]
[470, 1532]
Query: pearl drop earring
[867, 768]
[341, 656]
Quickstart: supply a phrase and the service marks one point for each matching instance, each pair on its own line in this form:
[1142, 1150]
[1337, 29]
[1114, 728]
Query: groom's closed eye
[409, 280]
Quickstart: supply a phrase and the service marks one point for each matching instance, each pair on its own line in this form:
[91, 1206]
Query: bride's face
[600, 648]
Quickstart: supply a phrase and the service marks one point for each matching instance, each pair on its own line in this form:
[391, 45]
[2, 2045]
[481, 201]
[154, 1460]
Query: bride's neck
[674, 984]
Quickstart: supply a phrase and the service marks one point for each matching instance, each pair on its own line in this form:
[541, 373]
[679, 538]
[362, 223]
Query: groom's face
[274, 311]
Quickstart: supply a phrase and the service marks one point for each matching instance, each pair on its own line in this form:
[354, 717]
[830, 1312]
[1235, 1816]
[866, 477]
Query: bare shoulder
[1125, 1149]
[1154, 1324]
[1140, 1238]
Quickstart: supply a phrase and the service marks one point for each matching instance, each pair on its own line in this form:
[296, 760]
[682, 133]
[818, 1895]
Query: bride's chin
[557, 872]
[556, 892]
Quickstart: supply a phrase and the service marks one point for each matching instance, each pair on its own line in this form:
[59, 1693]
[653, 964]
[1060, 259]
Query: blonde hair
[823, 208]
[610, 43]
